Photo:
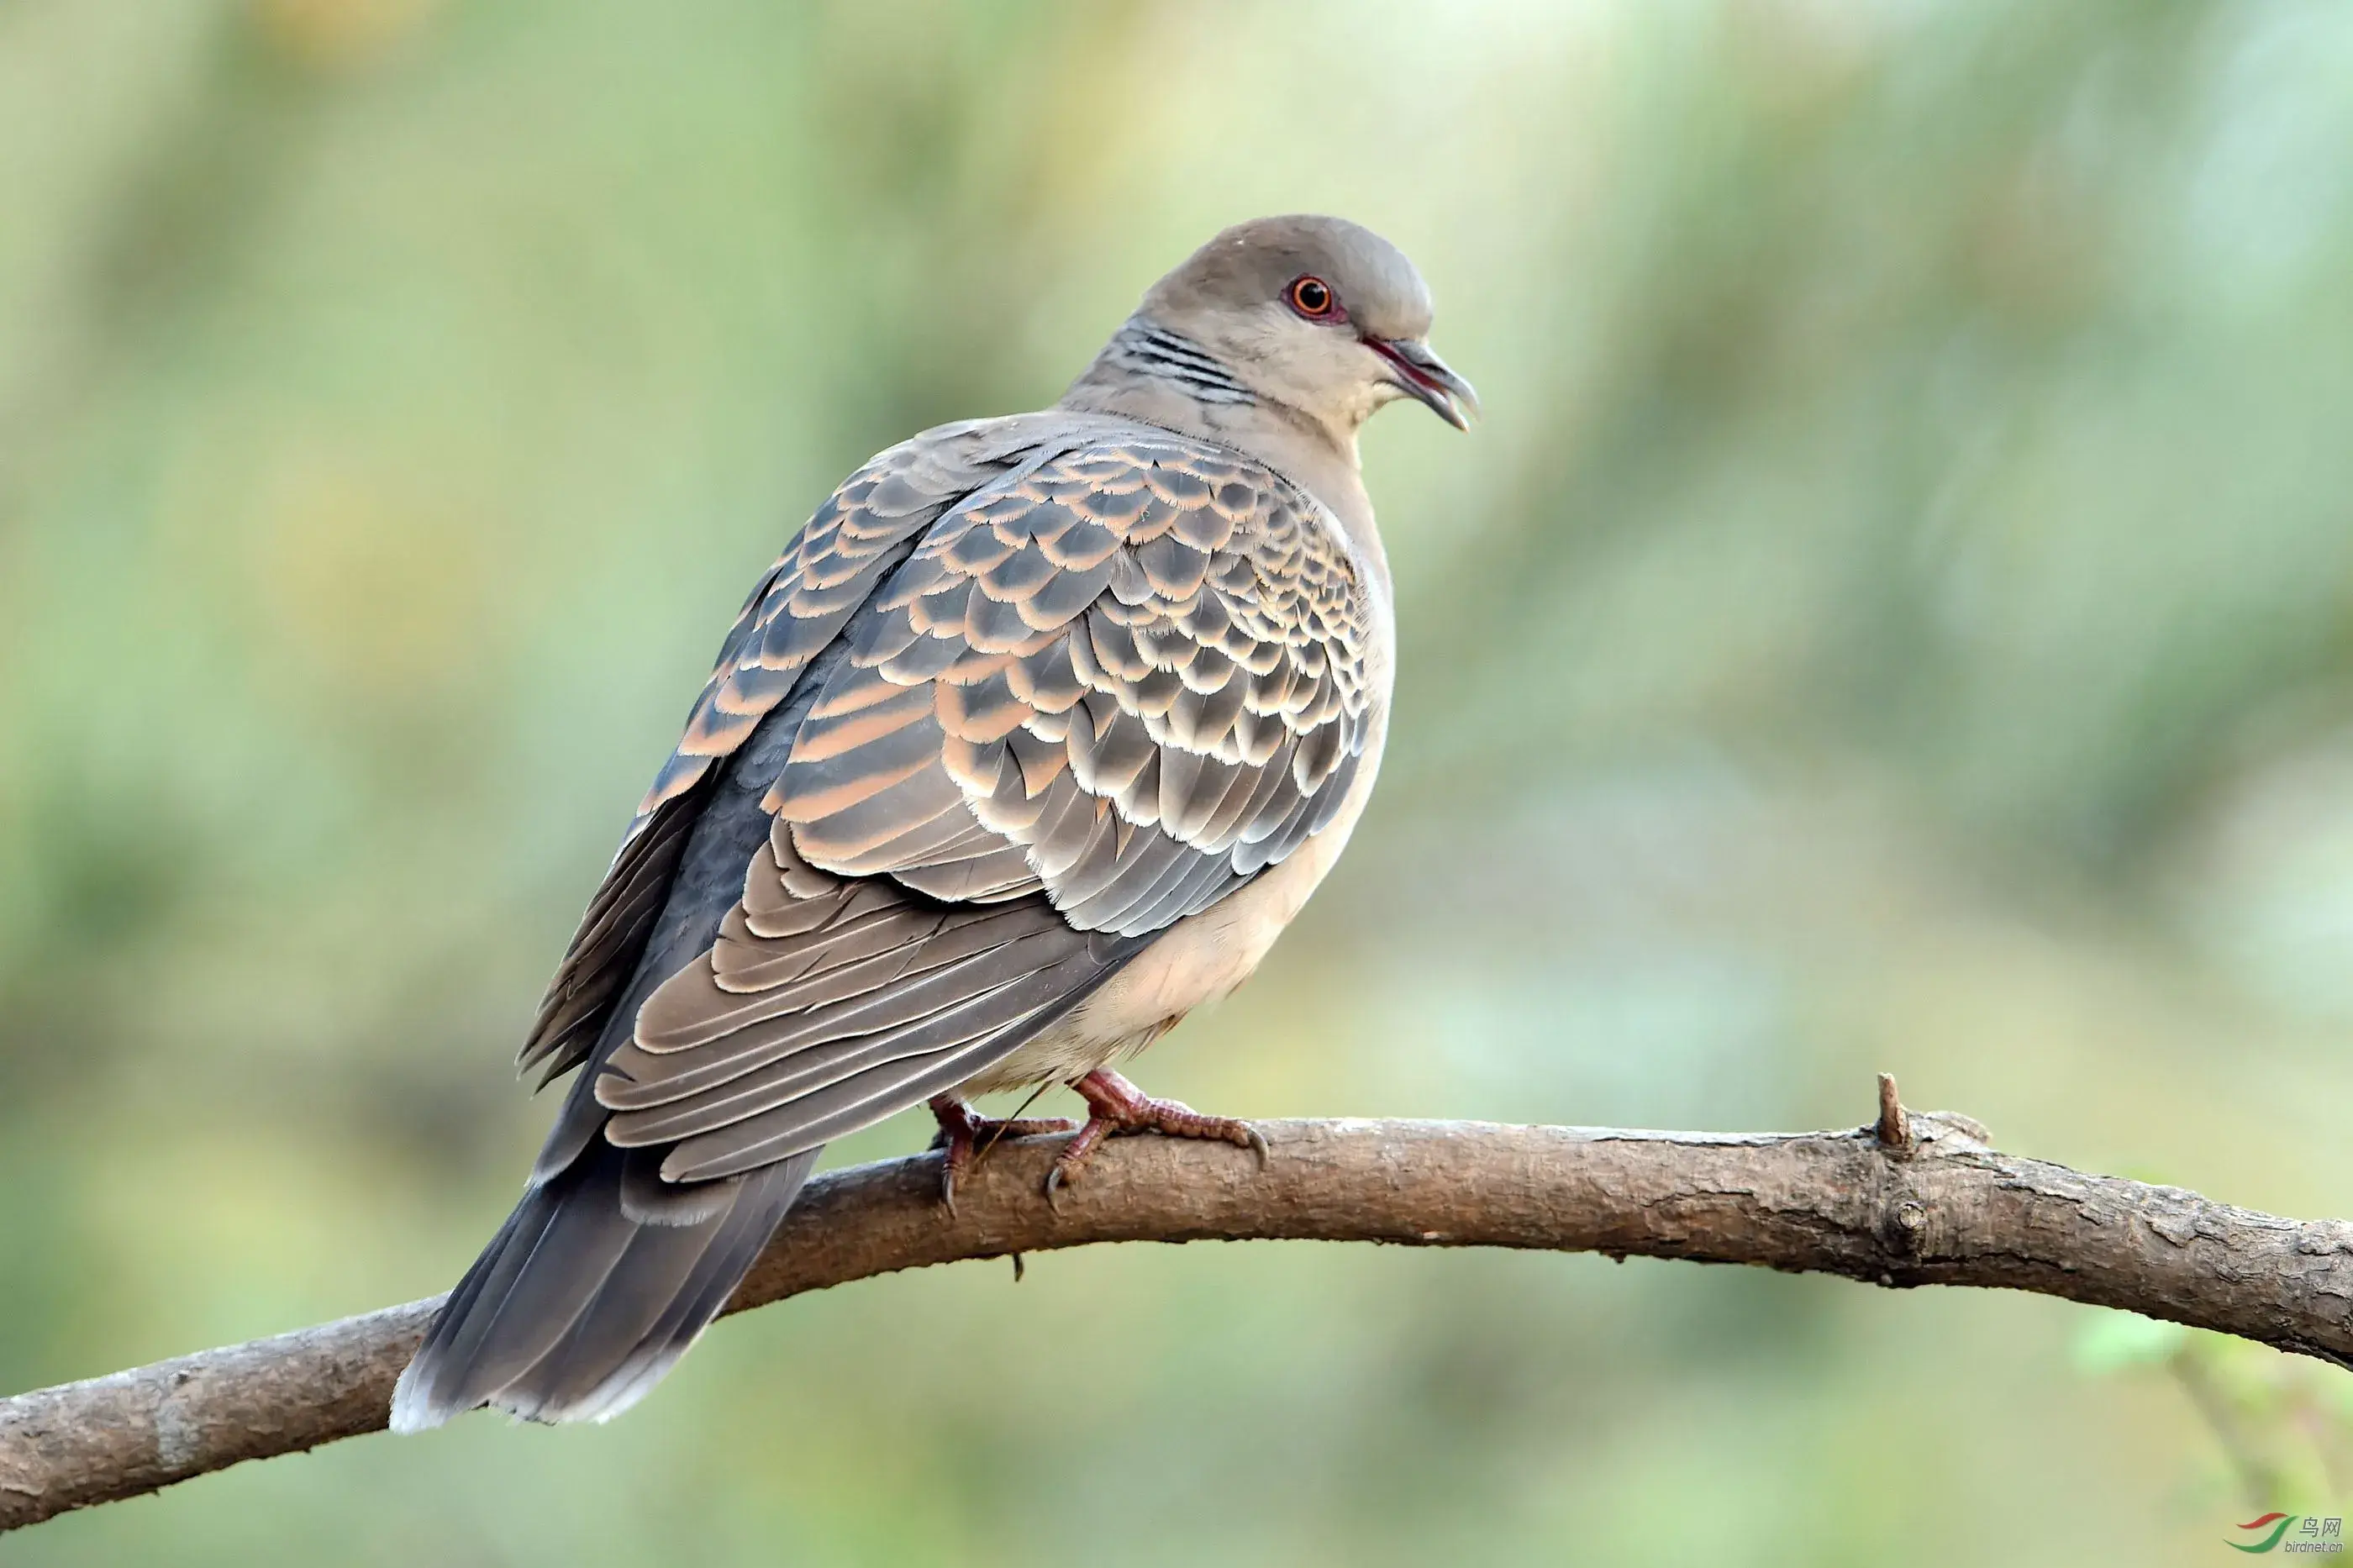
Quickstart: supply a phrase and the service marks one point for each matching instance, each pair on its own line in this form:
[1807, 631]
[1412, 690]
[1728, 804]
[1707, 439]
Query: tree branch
[1914, 1199]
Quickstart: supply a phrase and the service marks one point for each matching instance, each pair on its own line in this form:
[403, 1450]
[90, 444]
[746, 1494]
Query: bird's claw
[1117, 1109]
[965, 1135]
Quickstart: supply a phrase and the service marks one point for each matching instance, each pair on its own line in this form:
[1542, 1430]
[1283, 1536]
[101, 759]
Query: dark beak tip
[1431, 381]
[1454, 401]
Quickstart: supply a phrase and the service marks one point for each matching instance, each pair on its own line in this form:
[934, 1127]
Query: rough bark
[1914, 1199]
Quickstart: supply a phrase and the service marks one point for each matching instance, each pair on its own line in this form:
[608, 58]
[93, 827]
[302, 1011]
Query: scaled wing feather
[863, 531]
[1097, 696]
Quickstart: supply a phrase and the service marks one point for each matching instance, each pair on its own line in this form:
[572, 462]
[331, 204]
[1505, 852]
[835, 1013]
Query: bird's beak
[1416, 368]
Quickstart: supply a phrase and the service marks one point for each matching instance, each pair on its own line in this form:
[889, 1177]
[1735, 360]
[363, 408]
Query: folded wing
[1098, 695]
[830, 569]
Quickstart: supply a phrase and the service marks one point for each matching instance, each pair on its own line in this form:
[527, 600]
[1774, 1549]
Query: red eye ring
[1312, 298]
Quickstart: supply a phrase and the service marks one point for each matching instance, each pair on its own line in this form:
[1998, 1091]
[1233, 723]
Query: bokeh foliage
[1897, 614]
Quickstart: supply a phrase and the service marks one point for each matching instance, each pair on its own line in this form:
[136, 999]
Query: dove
[1032, 741]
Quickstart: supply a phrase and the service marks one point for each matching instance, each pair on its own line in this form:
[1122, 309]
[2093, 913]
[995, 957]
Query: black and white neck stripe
[1146, 348]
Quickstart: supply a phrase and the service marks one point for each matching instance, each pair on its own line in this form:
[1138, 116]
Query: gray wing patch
[829, 1003]
[864, 530]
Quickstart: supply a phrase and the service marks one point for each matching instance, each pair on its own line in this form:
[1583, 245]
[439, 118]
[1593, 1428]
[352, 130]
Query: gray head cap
[1254, 262]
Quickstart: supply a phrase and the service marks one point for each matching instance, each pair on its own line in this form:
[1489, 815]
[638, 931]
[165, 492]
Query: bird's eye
[1312, 298]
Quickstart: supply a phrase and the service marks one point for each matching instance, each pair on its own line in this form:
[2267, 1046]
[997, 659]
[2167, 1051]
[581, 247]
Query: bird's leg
[1116, 1107]
[965, 1134]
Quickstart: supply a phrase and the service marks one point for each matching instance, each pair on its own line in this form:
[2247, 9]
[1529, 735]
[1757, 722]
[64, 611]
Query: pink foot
[1116, 1108]
[965, 1135]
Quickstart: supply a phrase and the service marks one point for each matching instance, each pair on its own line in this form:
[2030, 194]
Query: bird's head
[1317, 314]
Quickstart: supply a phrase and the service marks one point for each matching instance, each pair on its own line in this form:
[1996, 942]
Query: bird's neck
[1144, 353]
[1152, 374]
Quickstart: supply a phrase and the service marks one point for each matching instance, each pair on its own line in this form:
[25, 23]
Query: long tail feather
[584, 1298]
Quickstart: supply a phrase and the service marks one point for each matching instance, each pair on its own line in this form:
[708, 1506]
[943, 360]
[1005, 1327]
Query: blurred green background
[1898, 614]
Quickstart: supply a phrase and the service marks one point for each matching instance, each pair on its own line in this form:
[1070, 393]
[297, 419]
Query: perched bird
[1032, 741]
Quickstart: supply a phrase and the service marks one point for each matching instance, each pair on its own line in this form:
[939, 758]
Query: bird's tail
[597, 1284]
